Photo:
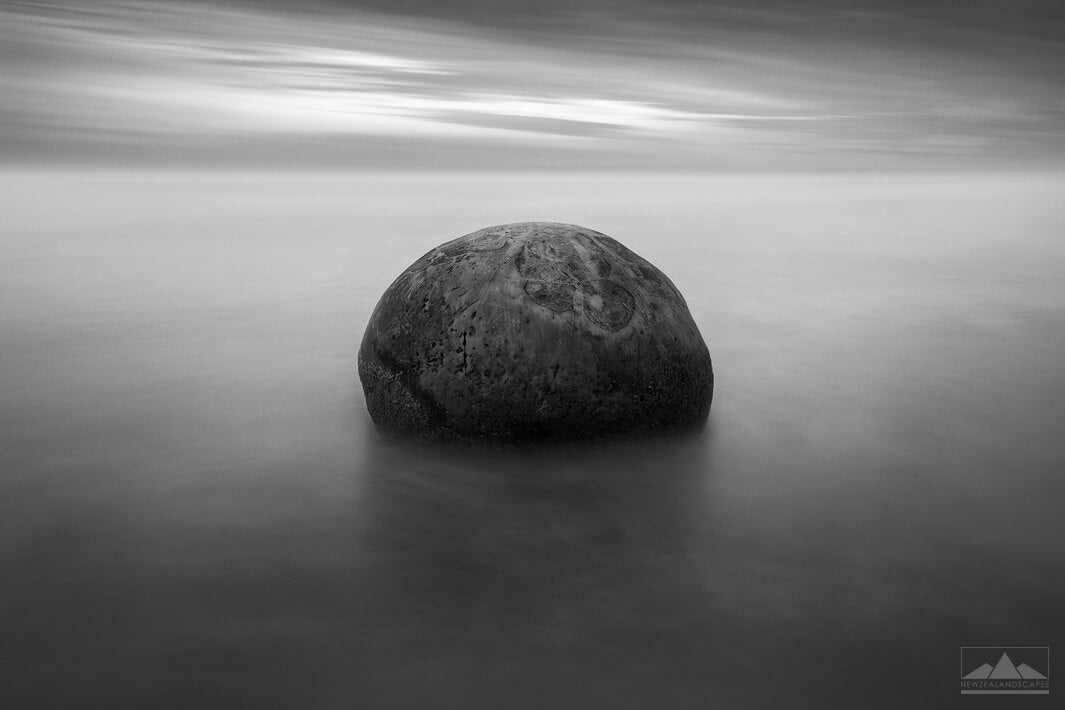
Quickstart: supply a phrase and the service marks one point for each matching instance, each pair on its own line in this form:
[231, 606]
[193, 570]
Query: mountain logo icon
[1005, 670]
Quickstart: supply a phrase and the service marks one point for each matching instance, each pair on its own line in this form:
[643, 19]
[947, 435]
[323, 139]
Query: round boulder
[533, 331]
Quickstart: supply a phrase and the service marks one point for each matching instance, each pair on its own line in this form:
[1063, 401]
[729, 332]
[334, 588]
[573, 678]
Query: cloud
[156, 74]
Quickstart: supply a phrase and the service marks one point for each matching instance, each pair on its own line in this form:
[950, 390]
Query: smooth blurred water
[195, 512]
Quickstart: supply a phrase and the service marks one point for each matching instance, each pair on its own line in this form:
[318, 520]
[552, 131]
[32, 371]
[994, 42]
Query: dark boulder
[533, 331]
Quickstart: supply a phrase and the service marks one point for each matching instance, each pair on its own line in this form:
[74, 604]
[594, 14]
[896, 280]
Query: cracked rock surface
[533, 331]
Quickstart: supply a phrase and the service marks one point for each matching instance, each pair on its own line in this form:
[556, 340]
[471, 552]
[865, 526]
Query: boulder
[529, 332]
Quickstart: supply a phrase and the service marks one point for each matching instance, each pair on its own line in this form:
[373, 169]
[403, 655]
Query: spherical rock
[533, 331]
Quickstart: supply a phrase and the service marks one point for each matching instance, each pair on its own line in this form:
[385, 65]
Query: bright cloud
[143, 71]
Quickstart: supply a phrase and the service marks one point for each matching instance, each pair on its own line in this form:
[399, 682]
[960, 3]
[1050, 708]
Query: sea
[196, 512]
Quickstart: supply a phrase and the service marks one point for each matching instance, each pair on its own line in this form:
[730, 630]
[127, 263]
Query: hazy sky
[741, 84]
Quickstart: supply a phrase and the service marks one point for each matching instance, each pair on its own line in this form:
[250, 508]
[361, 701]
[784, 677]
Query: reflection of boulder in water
[533, 331]
[467, 583]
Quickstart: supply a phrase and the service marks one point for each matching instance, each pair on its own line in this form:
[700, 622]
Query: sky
[467, 84]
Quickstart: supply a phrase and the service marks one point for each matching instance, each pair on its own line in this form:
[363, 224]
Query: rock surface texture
[533, 331]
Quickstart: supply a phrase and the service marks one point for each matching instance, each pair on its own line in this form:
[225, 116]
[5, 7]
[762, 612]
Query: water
[195, 512]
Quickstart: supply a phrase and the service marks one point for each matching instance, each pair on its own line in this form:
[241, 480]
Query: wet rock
[533, 331]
